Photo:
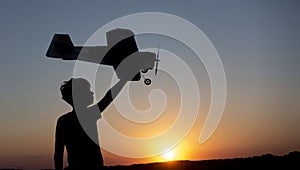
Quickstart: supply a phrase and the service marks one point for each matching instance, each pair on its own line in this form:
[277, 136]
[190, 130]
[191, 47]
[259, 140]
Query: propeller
[156, 60]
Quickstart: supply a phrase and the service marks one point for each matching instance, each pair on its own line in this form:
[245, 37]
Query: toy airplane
[120, 44]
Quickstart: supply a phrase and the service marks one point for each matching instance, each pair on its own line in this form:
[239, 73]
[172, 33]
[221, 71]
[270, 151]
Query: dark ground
[267, 161]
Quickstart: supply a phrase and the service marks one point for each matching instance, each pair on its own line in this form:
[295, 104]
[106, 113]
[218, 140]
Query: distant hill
[290, 161]
[267, 161]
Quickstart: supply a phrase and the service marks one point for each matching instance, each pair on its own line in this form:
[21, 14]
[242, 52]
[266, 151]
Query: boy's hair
[66, 89]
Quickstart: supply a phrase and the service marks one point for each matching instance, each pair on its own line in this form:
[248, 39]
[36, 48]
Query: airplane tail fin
[61, 46]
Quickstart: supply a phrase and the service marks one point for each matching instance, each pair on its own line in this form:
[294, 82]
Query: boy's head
[77, 90]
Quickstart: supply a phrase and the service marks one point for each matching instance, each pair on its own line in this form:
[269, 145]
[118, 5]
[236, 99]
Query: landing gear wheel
[144, 70]
[147, 81]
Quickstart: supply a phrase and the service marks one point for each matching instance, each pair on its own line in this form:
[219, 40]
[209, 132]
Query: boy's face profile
[77, 91]
[82, 95]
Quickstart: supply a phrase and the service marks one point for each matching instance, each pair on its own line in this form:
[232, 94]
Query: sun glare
[169, 155]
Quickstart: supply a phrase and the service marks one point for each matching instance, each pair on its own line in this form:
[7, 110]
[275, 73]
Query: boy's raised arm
[111, 94]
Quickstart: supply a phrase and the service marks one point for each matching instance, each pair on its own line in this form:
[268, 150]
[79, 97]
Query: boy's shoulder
[66, 116]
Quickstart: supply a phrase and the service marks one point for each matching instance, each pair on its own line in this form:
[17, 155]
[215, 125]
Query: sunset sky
[258, 44]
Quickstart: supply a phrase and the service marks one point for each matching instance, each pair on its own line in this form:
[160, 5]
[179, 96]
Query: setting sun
[169, 155]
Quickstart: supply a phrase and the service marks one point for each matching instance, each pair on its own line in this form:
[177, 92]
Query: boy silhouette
[77, 130]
